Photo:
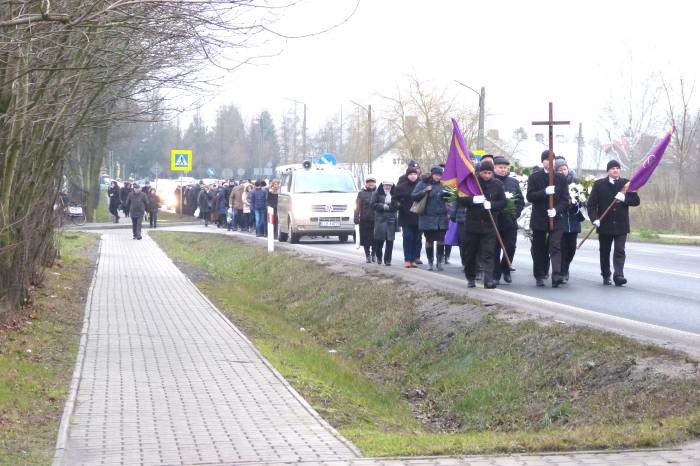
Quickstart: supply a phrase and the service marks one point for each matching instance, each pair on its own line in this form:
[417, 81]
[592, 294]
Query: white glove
[620, 196]
[551, 213]
[509, 195]
[596, 223]
[479, 199]
[487, 205]
[549, 190]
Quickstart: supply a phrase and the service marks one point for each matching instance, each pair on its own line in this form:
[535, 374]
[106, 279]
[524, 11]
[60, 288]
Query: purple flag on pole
[643, 173]
[459, 167]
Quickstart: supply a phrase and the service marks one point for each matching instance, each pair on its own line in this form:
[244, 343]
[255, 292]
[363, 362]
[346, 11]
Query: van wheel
[293, 237]
[343, 238]
[282, 235]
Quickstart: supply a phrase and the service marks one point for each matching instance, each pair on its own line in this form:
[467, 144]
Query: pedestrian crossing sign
[181, 160]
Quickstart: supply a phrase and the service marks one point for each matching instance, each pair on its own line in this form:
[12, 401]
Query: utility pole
[579, 155]
[368, 109]
[482, 112]
[303, 128]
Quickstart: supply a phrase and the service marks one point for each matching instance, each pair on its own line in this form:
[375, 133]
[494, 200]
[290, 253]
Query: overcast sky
[580, 55]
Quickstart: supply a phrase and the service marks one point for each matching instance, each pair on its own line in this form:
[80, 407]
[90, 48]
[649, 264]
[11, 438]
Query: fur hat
[612, 164]
[486, 165]
[500, 160]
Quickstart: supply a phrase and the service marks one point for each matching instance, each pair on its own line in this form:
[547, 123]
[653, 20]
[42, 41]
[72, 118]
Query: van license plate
[329, 224]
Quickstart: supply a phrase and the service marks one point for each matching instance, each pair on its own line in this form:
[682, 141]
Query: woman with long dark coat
[364, 217]
[114, 200]
[385, 207]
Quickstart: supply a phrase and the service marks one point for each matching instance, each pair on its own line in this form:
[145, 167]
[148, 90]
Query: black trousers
[568, 251]
[153, 219]
[605, 242]
[136, 226]
[540, 248]
[510, 239]
[378, 245]
[479, 250]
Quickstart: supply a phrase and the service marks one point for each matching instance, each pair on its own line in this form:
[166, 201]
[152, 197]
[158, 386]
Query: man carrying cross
[546, 241]
[549, 194]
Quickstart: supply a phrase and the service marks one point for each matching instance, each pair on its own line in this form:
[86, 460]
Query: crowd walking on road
[485, 227]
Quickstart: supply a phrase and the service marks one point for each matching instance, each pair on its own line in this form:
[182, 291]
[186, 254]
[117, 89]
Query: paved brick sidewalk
[164, 378]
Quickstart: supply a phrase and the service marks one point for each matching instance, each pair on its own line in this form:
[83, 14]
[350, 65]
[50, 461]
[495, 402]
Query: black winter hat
[411, 170]
[437, 169]
[486, 165]
[545, 155]
[612, 164]
[500, 160]
[413, 164]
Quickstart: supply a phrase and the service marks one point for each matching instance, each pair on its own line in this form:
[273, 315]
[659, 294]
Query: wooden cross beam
[551, 124]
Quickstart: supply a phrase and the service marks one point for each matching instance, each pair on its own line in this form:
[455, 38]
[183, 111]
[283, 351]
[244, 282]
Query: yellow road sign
[181, 160]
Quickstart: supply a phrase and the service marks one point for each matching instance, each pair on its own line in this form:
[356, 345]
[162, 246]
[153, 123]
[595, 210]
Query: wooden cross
[551, 124]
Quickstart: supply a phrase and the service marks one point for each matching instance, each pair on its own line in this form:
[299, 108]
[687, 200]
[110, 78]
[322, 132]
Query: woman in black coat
[364, 217]
[204, 204]
[114, 200]
[570, 221]
[385, 208]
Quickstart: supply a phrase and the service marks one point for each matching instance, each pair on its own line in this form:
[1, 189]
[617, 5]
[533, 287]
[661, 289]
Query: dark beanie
[437, 169]
[413, 164]
[545, 155]
[613, 163]
[410, 170]
[500, 160]
[486, 165]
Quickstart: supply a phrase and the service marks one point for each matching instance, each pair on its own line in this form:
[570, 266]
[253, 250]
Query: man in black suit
[615, 226]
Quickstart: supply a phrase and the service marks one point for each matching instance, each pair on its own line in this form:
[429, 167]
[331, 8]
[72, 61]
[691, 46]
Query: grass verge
[385, 366]
[37, 353]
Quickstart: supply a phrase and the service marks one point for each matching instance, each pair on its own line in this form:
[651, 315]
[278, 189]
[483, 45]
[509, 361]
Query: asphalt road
[663, 281]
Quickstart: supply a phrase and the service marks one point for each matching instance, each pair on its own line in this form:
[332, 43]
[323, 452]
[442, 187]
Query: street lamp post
[482, 100]
[368, 109]
[303, 128]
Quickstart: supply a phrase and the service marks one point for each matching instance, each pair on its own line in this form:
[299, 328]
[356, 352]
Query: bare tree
[420, 117]
[683, 147]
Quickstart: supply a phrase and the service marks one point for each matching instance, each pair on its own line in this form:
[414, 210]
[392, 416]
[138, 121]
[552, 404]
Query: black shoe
[619, 280]
[539, 282]
[418, 262]
[490, 285]
[556, 280]
[447, 260]
[373, 258]
[388, 264]
[430, 266]
[138, 237]
[471, 284]
[606, 281]
[369, 259]
[565, 278]
[506, 276]
[438, 267]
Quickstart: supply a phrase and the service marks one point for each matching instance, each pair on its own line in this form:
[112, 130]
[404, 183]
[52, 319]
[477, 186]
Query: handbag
[418, 207]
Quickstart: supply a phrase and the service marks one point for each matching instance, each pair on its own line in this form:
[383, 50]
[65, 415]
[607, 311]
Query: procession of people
[487, 224]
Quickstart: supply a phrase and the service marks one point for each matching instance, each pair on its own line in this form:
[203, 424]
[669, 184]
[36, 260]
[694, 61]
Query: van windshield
[323, 182]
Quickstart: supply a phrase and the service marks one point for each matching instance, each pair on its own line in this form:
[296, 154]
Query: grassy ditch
[37, 353]
[404, 371]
